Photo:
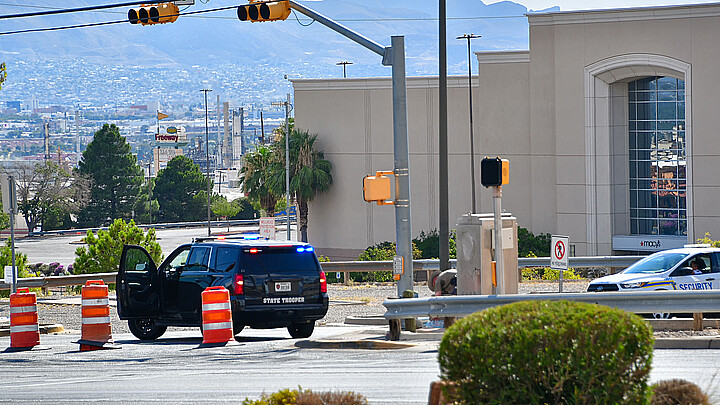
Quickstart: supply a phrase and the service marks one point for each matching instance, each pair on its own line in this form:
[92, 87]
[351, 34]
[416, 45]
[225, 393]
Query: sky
[569, 5]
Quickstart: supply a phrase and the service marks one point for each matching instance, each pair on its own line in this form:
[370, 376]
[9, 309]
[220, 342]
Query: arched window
[657, 156]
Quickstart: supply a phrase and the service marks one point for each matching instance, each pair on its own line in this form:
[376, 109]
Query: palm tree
[257, 168]
[309, 172]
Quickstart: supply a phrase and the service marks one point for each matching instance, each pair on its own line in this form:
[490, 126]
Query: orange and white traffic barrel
[24, 328]
[96, 330]
[216, 316]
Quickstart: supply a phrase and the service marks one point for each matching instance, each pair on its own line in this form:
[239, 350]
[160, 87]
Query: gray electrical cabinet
[475, 253]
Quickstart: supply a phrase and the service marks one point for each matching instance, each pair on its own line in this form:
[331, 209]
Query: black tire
[301, 330]
[146, 329]
[661, 315]
[237, 328]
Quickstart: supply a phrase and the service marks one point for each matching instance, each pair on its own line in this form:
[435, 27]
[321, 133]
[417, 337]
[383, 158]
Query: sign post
[559, 256]
[9, 200]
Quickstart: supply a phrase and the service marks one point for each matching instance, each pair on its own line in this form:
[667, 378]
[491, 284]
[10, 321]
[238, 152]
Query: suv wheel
[146, 329]
[301, 330]
[237, 328]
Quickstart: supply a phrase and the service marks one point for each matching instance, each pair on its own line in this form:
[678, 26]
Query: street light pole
[472, 138]
[344, 65]
[207, 158]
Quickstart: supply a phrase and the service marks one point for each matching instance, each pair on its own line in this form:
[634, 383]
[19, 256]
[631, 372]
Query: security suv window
[225, 258]
[199, 259]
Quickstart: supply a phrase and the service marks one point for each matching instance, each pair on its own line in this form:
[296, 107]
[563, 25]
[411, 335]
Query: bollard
[216, 317]
[24, 327]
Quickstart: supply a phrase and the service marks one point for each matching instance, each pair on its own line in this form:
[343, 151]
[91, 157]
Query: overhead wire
[71, 10]
[103, 23]
[192, 13]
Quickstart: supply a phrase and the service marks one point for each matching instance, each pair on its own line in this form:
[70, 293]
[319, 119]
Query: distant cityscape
[67, 113]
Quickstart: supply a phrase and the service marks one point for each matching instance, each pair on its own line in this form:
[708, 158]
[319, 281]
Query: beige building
[609, 122]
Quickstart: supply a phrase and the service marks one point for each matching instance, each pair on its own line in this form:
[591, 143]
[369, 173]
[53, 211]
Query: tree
[180, 190]
[221, 207]
[256, 173]
[103, 251]
[3, 74]
[116, 178]
[49, 193]
[309, 172]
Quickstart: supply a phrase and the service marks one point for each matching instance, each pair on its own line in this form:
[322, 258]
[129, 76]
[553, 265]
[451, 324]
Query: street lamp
[472, 142]
[344, 65]
[207, 158]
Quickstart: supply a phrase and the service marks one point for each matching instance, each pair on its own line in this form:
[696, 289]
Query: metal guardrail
[60, 281]
[167, 225]
[428, 265]
[637, 302]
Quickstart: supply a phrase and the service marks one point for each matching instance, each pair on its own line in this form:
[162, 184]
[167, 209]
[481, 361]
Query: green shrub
[548, 274]
[429, 245]
[378, 252]
[539, 352]
[308, 397]
[102, 254]
[531, 245]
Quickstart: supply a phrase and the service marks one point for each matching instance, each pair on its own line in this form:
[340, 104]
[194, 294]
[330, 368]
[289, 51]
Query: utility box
[475, 246]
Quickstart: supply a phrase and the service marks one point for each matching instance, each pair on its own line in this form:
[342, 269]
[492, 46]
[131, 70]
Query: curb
[689, 343]
[353, 344]
[44, 329]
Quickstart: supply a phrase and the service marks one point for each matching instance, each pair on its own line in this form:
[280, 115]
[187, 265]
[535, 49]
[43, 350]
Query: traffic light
[155, 14]
[494, 172]
[259, 11]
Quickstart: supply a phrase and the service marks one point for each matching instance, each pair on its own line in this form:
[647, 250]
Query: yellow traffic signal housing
[259, 11]
[377, 188]
[154, 14]
[494, 172]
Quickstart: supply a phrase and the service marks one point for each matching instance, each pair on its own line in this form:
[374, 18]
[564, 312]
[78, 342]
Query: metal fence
[637, 302]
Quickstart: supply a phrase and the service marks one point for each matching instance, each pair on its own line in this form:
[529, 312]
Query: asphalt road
[175, 369]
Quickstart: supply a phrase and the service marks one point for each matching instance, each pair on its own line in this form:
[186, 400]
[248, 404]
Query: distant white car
[689, 268]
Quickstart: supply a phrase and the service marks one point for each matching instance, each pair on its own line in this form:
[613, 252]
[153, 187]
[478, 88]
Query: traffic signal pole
[393, 56]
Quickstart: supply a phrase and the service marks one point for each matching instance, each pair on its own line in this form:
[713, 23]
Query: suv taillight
[323, 282]
[238, 284]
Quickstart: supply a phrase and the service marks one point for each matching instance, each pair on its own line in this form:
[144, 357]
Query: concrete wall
[558, 112]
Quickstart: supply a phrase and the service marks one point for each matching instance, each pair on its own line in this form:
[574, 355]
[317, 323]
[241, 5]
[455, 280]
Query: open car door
[138, 284]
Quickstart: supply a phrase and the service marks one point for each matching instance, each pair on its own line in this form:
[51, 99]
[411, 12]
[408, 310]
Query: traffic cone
[24, 327]
[216, 317]
[96, 331]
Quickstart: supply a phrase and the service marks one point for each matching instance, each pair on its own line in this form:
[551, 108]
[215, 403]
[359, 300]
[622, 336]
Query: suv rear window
[266, 260]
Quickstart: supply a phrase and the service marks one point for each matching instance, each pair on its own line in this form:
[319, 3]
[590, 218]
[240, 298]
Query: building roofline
[624, 14]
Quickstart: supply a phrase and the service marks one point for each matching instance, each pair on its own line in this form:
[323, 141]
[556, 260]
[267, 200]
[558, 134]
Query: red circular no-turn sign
[559, 250]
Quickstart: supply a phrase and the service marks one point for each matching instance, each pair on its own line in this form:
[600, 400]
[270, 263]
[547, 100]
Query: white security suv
[689, 268]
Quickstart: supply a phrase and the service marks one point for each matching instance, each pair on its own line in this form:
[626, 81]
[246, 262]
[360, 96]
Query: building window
[657, 156]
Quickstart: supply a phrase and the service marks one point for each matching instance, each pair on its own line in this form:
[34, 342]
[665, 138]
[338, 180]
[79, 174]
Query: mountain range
[298, 44]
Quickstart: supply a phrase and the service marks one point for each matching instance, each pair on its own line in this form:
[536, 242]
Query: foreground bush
[307, 397]
[548, 352]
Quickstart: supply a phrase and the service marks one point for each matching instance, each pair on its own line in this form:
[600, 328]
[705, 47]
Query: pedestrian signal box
[378, 188]
[259, 11]
[494, 172]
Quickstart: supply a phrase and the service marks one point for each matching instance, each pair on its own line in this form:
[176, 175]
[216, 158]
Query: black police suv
[272, 284]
